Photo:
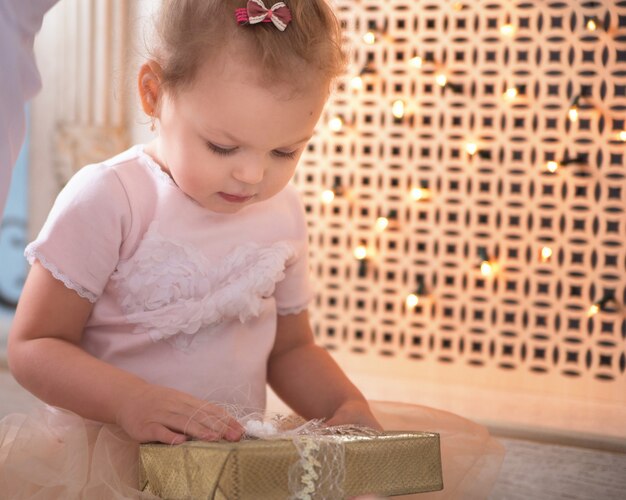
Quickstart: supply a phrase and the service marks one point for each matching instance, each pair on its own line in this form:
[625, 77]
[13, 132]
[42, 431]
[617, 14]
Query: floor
[531, 470]
[540, 471]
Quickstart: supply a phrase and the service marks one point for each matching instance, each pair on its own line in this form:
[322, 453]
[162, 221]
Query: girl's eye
[220, 151]
[282, 154]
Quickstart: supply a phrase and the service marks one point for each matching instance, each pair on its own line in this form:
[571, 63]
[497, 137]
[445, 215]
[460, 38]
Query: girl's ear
[149, 81]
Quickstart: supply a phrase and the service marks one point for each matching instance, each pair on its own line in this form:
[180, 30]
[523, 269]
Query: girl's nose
[249, 171]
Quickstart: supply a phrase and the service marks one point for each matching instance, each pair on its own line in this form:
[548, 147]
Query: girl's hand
[155, 413]
[354, 413]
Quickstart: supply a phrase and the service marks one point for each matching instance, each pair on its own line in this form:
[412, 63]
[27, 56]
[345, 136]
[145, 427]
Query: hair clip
[256, 12]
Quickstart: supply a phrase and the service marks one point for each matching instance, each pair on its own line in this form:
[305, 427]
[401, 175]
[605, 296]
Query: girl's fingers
[224, 425]
[219, 420]
[162, 434]
[208, 428]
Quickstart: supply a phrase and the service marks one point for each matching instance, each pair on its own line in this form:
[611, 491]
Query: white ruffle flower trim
[169, 288]
[32, 254]
[260, 429]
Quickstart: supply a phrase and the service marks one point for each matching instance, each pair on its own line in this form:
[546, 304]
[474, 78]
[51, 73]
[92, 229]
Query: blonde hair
[190, 32]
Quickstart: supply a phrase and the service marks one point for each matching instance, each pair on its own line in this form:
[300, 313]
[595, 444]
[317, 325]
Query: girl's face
[228, 142]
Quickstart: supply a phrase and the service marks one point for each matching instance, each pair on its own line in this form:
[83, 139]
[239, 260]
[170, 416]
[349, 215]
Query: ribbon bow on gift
[256, 12]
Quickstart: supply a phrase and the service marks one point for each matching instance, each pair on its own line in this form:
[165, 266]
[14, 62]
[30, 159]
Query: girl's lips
[232, 198]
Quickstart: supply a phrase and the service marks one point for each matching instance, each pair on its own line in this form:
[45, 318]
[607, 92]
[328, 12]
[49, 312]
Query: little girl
[172, 279]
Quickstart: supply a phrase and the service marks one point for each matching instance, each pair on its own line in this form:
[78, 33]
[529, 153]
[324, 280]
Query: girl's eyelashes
[219, 150]
[286, 155]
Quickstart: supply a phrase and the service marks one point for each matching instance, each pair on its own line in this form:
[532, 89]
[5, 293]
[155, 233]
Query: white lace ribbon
[319, 473]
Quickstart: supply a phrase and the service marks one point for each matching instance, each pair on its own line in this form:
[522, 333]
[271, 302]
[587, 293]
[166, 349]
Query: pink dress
[185, 298]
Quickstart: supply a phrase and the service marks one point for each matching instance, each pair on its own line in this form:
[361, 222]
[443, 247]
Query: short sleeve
[295, 291]
[81, 239]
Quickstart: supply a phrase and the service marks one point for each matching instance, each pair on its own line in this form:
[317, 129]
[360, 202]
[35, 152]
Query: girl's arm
[306, 377]
[46, 358]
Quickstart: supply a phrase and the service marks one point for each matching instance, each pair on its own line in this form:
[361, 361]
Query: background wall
[490, 136]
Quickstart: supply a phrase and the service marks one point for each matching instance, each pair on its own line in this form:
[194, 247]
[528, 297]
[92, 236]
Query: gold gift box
[392, 463]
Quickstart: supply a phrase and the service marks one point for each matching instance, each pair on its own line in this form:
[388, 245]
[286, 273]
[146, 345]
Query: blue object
[13, 234]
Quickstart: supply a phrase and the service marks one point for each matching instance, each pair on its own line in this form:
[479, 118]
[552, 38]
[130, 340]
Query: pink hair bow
[256, 12]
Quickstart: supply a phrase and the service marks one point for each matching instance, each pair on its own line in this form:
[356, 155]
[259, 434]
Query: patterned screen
[475, 155]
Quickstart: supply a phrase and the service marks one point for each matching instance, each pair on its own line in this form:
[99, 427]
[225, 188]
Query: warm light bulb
[546, 254]
[592, 25]
[382, 223]
[622, 135]
[397, 108]
[507, 29]
[471, 148]
[412, 300]
[416, 62]
[360, 252]
[457, 6]
[441, 80]
[369, 38]
[486, 268]
[335, 124]
[420, 194]
[593, 310]
[356, 83]
[511, 93]
[573, 113]
[328, 196]
[552, 166]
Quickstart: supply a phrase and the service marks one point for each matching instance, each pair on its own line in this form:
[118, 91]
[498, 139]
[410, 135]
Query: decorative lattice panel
[490, 135]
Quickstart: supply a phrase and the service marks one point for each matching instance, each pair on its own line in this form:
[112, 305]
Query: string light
[369, 38]
[414, 299]
[593, 310]
[398, 108]
[572, 112]
[327, 196]
[546, 254]
[356, 83]
[508, 29]
[361, 254]
[336, 123]
[592, 23]
[383, 223]
[601, 304]
[471, 148]
[552, 166]
[420, 193]
[511, 93]
[441, 79]
[487, 267]
[416, 62]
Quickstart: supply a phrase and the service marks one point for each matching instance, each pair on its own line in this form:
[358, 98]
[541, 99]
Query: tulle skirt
[52, 454]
